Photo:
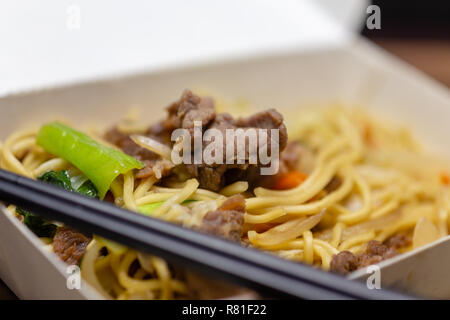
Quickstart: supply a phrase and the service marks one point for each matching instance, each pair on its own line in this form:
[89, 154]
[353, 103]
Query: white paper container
[358, 74]
[422, 272]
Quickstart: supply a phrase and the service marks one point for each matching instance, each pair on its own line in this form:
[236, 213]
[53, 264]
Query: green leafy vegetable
[62, 180]
[88, 189]
[36, 224]
[101, 164]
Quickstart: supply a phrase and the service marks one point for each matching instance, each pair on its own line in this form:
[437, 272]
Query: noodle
[128, 191]
[234, 188]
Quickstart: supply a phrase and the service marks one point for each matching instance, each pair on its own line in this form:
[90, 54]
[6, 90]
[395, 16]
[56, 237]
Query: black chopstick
[257, 270]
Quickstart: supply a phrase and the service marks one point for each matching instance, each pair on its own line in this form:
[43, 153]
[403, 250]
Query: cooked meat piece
[209, 177]
[69, 244]
[159, 132]
[376, 248]
[236, 203]
[290, 159]
[124, 142]
[227, 220]
[155, 165]
[213, 176]
[269, 119]
[399, 241]
[182, 114]
[375, 252]
[158, 168]
[109, 197]
[346, 262]
[190, 108]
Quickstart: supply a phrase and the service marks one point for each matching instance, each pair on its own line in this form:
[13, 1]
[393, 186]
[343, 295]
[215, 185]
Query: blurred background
[418, 32]
[54, 42]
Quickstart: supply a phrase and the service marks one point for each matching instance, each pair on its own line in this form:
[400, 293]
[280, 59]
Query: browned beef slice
[399, 241]
[268, 119]
[124, 142]
[209, 177]
[227, 220]
[375, 252]
[213, 176]
[69, 244]
[182, 114]
[152, 160]
[190, 108]
[290, 158]
[346, 262]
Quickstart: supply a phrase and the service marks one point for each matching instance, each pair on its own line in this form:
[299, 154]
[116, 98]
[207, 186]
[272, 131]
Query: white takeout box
[359, 74]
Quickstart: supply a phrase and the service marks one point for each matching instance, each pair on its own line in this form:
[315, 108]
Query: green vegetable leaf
[101, 164]
[60, 179]
[88, 189]
[36, 224]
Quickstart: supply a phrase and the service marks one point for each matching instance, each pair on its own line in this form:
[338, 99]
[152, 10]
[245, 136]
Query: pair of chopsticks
[257, 270]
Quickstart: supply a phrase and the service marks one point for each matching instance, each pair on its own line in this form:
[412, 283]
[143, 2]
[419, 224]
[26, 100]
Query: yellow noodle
[265, 217]
[364, 212]
[300, 196]
[9, 160]
[234, 188]
[361, 238]
[316, 206]
[311, 180]
[308, 250]
[384, 209]
[162, 270]
[190, 188]
[128, 190]
[88, 267]
[337, 234]
[143, 187]
[55, 164]
[324, 256]
[141, 285]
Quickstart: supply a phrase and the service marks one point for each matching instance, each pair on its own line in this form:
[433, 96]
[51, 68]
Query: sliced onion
[375, 225]
[289, 230]
[152, 145]
[145, 261]
[77, 181]
[425, 232]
